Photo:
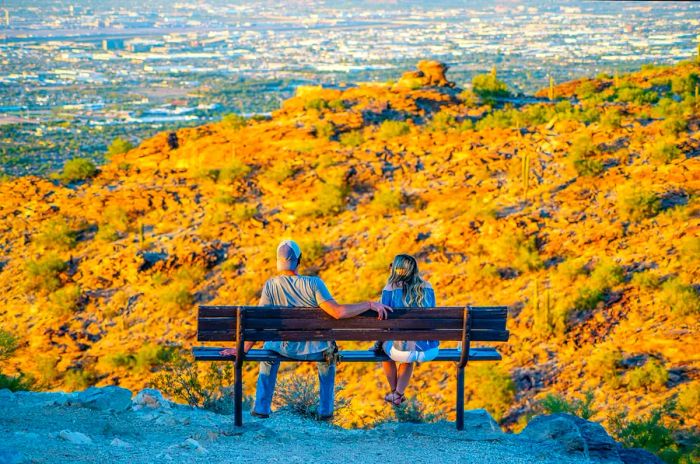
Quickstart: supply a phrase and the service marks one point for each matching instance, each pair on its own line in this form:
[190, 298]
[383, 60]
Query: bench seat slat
[353, 335]
[228, 323]
[478, 312]
[207, 353]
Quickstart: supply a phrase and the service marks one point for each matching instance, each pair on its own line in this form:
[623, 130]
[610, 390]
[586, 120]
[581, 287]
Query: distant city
[77, 74]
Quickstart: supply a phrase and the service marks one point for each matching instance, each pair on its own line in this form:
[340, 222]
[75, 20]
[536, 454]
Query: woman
[405, 288]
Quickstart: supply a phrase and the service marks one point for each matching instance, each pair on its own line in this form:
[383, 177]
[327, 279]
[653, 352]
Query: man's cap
[288, 253]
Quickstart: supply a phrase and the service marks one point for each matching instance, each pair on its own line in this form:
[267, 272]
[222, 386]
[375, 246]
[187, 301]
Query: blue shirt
[394, 297]
[295, 291]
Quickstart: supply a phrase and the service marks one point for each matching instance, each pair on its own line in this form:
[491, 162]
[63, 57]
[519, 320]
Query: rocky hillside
[579, 212]
[107, 424]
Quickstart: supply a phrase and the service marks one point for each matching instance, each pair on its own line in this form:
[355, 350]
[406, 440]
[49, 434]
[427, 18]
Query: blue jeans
[267, 378]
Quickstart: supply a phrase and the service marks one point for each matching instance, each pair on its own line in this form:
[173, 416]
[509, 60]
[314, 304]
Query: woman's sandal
[399, 399]
[389, 397]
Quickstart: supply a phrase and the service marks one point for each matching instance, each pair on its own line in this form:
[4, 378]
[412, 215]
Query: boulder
[76, 438]
[193, 445]
[120, 443]
[573, 435]
[430, 74]
[150, 398]
[109, 398]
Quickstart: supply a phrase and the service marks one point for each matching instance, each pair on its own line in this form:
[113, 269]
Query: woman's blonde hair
[404, 275]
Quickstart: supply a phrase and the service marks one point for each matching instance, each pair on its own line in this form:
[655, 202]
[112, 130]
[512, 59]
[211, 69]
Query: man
[291, 289]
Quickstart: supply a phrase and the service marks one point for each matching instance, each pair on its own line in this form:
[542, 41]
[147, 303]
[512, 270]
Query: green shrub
[8, 344]
[237, 169]
[493, 389]
[663, 150]
[651, 376]
[489, 86]
[414, 411]
[77, 169]
[607, 274]
[652, 434]
[183, 380]
[688, 400]
[66, 301]
[387, 199]
[553, 404]
[646, 279]
[390, 129]
[20, 382]
[46, 367]
[119, 146]
[682, 298]
[631, 94]
[299, 395]
[233, 121]
[56, 234]
[312, 250]
[682, 85]
[582, 154]
[79, 379]
[177, 295]
[604, 363]
[107, 233]
[243, 212]
[150, 356]
[352, 138]
[634, 204]
[121, 360]
[44, 273]
[588, 298]
[611, 119]
[279, 172]
[330, 200]
[469, 98]
[324, 130]
[318, 104]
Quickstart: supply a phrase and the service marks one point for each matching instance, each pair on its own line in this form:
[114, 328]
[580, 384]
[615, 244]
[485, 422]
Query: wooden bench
[271, 323]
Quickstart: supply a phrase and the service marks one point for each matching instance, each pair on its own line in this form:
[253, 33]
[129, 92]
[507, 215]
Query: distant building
[113, 44]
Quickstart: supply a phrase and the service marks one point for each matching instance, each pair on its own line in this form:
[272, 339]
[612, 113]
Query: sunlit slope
[583, 218]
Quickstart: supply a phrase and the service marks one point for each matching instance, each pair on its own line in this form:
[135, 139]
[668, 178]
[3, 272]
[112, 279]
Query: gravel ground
[35, 428]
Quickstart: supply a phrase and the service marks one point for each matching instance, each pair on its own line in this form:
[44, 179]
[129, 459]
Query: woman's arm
[234, 351]
[344, 311]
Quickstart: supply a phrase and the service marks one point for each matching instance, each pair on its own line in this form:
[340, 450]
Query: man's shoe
[378, 348]
[259, 415]
[326, 418]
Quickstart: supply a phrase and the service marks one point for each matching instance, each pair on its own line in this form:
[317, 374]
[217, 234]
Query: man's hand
[381, 309]
[228, 352]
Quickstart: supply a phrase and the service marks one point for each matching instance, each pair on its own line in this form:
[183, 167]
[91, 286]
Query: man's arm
[344, 311]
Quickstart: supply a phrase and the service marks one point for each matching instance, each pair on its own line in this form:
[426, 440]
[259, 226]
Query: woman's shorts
[409, 356]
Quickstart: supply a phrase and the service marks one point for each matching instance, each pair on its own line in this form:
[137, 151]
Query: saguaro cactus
[525, 173]
[550, 94]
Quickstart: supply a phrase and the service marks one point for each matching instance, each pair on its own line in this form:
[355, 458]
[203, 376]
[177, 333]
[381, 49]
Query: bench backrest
[481, 323]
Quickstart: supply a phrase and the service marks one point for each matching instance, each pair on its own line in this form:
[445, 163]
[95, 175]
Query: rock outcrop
[430, 73]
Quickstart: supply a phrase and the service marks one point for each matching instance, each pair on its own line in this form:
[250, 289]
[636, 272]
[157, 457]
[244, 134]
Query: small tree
[118, 146]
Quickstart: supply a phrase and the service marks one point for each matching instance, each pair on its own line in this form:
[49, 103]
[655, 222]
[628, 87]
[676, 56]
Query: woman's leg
[391, 374]
[404, 375]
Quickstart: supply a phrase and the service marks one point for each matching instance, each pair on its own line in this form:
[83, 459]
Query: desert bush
[652, 434]
[106, 233]
[233, 121]
[688, 400]
[318, 104]
[493, 389]
[414, 411]
[582, 154]
[634, 204]
[469, 98]
[279, 172]
[663, 150]
[119, 146]
[44, 273]
[629, 93]
[299, 395]
[611, 119]
[489, 86]
[607, 274]
[521, 251]
[65, 301]
[444, 121]
[311, 250]
[76, 379]
[8, 344]
[77, 169]
[324, 130]
[183, 380]
[553, 404]
[242, 212]
[352, 138]
[235, 170]
[176, 295]
[390, 129]
[149, 356]
[604, 363]
[125, 360]
[387, 199]
[651, 376]
[56, 234]
[46, 368]
[682, 298]
[681, 85]
[117, 217]
[646, 279]
[330, 199]
[19, 382]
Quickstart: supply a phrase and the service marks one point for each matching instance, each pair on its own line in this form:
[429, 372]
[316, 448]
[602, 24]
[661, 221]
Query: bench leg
[238, 394]
[460, 398]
